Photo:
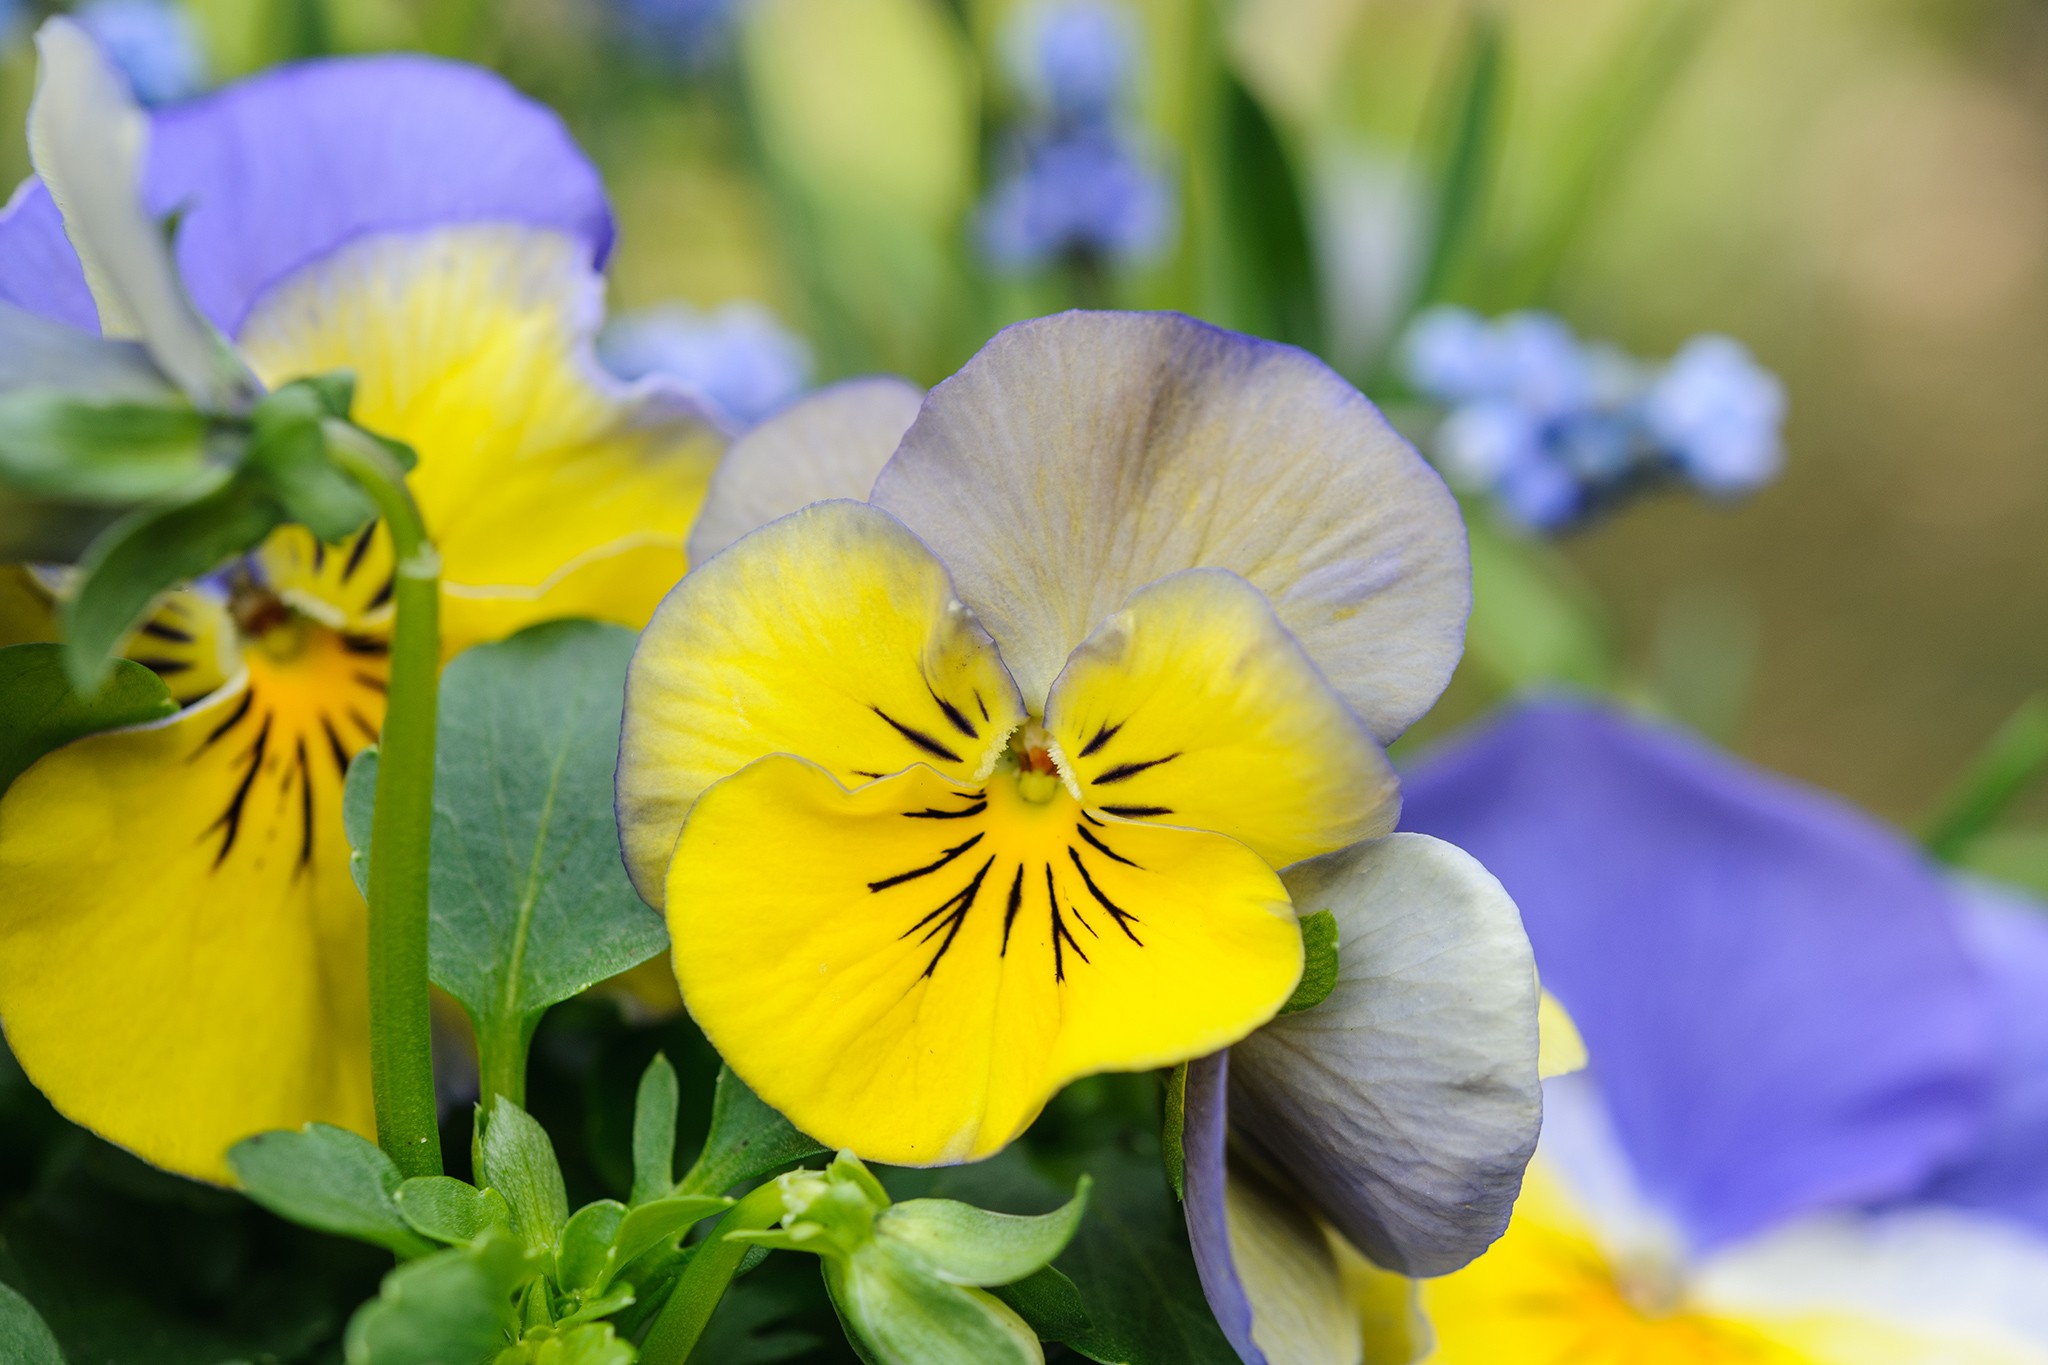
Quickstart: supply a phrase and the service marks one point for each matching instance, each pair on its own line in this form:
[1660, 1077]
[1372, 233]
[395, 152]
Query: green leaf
[1466, 140]
[590, 1343]
[327, 1178]
[25, 1338]
[2008, 763]
[1533, 621]
[112, 453]
[288, 449]
[530, 899]
[450, 1210]
[587, 1254]
[651, 1224]
[748, 1139]
[654, 1131]
[519, 1163]
[971, 1246]
[1267, 250]
[456, 1306]
[144, 554]
[40, 710]
[1173, 1130]
[358, 811]
[1048, 1301]
[1318, 963]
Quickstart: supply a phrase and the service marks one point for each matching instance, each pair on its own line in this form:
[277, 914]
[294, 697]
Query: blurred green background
[1856, 189]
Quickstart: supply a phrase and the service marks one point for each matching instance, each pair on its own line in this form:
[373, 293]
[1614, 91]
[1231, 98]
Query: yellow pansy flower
[182, 951]
[960, 793]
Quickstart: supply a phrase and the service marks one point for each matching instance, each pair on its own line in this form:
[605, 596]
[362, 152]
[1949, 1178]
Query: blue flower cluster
[1556, 430]
[154, 42]
[1081, 186]
[740, 357]
[684, 35]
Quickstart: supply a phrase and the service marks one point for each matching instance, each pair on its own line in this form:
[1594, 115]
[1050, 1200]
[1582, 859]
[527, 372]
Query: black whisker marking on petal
[373, 682]
[953, 714]
[234, 719]
[1010, 912]
[363, 724]
[1093, 821]
[1103, 735]
[165, 667]
[305, 811]
[917, 737]
[1116, 912]
[231, 818]
[948, 856]
[319, 554]
[357, 551]
[979, 704]
[1060, 931]
[383, 594]
[163, 631]
[929, 813]
[1136, 812]
[863, 772]
[960, 905]
[365, 644]
[1104, 849]
[1125, 771]
[334, 744]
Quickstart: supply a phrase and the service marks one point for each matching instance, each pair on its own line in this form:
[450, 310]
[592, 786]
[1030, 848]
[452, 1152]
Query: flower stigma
[1034, 757]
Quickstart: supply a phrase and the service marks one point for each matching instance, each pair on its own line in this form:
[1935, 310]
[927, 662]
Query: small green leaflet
[41, 711]
[25, 1338]
[1318, 963]
[328, 1178]
[748, 1139]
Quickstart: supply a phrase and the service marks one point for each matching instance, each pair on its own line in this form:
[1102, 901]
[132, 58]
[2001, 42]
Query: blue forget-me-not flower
[739, 357]
[1081, 185]
[154, 42]
[1556, 430]
[683, 34]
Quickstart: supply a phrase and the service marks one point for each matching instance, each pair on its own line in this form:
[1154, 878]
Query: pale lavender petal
[276, 171]
[1775, 1000]
[1204, 1144]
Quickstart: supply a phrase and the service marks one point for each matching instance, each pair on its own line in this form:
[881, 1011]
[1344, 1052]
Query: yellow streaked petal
[831, 634]
[181, 947]
[912, 968]
[1560, 1050]
[550, 489]
[1195, 706]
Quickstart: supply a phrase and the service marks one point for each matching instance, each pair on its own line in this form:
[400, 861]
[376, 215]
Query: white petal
[87, 137]
[1407, 1104]
[1079, 457]
[829, 445]
[1975, 1285]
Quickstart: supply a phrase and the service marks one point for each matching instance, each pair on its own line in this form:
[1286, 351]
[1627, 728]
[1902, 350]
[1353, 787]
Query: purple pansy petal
[1204, 1143]
[281, 169]
[1773, 996]
[2007, 936]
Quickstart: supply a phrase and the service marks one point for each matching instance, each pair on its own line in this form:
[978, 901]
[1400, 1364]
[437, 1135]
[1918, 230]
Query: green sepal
[40, 710]
[25, 1339]
[1173, 1130]
[1318, 963]
[519, 1162]
[889, 1301]
[330, 1179]
[747, 1140]
[651, 1224]
[288, 450]
[966, 1245]
[654, 1132]
[114, 452]
[594, 1343]
[587, 1253]
[456, 1305]
[451, 1211]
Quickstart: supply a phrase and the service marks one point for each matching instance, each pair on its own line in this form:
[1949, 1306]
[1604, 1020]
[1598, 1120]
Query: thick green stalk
[705, 1277]
[2016, 755]
[401, 1029]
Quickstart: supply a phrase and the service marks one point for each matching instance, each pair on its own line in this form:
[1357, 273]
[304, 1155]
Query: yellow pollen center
[1038, 776]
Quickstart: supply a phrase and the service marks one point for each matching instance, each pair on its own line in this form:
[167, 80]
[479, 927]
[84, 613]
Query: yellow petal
[188, 639]
[1559, 1049]
[831, 634]
[912, 968]
[550, 489]
[181, 947]
[1195, 706]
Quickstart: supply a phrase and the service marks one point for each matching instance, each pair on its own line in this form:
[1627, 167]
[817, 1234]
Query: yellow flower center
[1031, 756]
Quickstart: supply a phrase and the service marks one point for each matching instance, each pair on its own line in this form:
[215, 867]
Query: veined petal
[911, 969]
[831, 634]
[1078, 458]
[276, 171]
[1195, 706]
[828, 445]
[182, 952]
[87, 137]
[1406, 1105]
[550, 489]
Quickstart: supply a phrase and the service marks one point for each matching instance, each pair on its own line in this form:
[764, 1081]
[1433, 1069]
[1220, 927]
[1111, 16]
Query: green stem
[501, 1060]
[2014, 757]
[401, 1029]
[705, 1277]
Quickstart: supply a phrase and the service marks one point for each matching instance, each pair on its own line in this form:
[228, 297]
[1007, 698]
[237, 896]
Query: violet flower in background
[739, 357]
[1081, 185]
[1556, 430]
[683, 35]
[155, 43]
[1806, 1109]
